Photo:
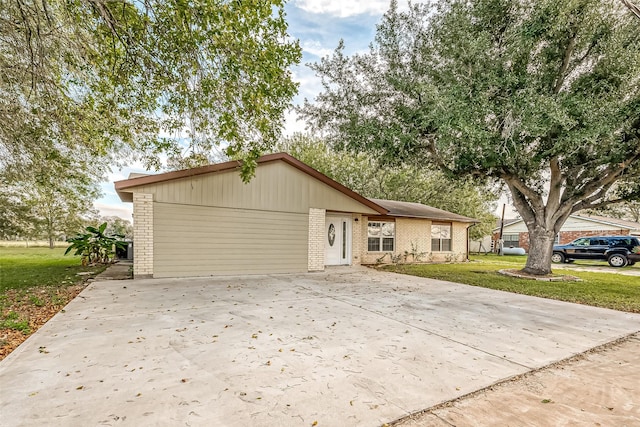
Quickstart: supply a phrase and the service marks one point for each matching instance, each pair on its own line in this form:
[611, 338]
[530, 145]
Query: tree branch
[599, 205]
[431, 148]
[534, 200]
[555, 185]
[601, 193]
[565, 63]
[632, 7]
[521, 203]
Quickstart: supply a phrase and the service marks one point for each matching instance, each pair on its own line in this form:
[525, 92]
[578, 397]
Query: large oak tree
[542, 95]
[409, 183]
[145, 77]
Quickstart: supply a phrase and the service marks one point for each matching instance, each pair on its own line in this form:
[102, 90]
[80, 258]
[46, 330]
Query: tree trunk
[51, 245]
[540, 251]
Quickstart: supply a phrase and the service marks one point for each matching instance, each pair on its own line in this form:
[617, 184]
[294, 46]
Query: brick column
[356, 242]
[142, 235]
[316, 239]
[459, 240]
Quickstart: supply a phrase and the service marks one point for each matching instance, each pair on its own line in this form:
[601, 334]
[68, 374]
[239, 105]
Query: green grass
[615, 291]
[22, 268]
[13, 321]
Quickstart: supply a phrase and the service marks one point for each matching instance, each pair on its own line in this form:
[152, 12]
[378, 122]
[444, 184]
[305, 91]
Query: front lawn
[35, 283]
[607, 290]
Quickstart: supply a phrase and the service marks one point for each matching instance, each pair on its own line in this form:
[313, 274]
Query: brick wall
[356, 239]
[316, 239]
[418, 232]
[143, 235]
[523, 240]
[458, 245]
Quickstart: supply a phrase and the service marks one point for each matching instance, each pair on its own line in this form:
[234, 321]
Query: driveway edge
[575, 358]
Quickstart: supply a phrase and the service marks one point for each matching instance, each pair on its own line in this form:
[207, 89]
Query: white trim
[585, 218]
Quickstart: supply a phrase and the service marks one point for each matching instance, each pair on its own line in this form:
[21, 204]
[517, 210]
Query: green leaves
[366, 175]
[95, 246]
[543, 95]
[108, 77]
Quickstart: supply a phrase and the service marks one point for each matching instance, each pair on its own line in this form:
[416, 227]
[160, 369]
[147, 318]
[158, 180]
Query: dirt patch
[548, 278]
[24, 312]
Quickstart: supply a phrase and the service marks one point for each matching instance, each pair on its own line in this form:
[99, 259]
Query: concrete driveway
[345, 347]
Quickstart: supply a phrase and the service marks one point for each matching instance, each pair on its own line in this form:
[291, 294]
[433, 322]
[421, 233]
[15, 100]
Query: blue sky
[319, 25]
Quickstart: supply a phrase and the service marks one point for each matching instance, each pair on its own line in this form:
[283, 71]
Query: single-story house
[516, 235]
[288, 218]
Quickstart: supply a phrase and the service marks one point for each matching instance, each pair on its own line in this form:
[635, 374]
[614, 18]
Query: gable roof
[630, 225]
[507, 221]
[130, 183]
[597, 219]
[383, 207]
[418, 210]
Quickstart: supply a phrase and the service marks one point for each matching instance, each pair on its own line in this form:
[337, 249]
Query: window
[511, 240]
[440, 237]
[585, 241]
[556, 241]
[381, 236]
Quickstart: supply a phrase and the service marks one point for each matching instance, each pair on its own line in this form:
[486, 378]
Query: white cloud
[314, 47]
[292, 124]
[310, 84]
[342, 8]
[124, 211]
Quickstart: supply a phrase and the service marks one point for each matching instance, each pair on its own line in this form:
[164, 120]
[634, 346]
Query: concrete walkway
[121, 270]
[595, 268]
[345, 347]
[599, 388]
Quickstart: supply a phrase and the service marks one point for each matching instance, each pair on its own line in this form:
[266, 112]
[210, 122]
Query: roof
[235, 164]
[630, 225]
[384, 207]
[418, 210]
[627, 225]
[507, 221]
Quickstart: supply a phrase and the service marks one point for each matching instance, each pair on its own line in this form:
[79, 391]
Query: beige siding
[201, 241]
[277, 186]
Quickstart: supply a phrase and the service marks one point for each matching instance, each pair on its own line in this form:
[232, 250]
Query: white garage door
[202, 241]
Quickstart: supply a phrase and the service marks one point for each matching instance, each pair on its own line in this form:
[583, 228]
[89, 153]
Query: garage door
[202, 241]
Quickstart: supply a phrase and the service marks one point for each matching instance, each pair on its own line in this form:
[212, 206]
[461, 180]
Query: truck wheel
[617, 260]
[557, 257]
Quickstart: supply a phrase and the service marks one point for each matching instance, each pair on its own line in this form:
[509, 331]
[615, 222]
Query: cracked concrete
[350, 346]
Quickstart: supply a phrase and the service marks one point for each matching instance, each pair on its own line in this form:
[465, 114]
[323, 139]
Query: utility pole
[500, 240]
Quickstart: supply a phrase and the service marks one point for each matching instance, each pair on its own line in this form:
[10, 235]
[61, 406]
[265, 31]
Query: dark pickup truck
[616, 250]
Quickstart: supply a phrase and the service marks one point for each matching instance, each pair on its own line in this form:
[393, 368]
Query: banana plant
[96, 247]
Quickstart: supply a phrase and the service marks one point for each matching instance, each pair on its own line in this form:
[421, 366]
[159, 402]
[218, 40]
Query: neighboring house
[516, 235]
[288, 218]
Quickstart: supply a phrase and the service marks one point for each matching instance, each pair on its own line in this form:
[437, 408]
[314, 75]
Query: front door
[337, 240]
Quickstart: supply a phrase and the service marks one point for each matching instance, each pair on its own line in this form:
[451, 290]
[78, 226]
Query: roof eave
[129, 184]
[466, 220]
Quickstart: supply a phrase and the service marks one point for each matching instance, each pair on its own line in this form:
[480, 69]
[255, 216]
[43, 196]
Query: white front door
[337, 241]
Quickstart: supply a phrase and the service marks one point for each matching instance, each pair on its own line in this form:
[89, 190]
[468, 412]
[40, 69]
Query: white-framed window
[441, 237]
[381, 236]
[556, 241]
[511, 240]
